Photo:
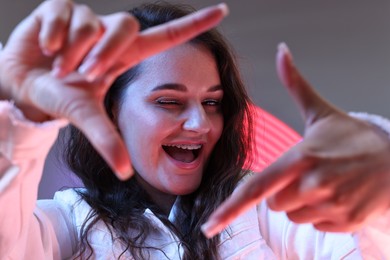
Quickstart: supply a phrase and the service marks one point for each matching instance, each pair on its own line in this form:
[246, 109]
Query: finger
[164, 36]
[333, 212]
[121, 30]
[329, 210]
[54, 17]
[310, 103]
[312, 214]
[313, 187]
[83, 32]
[256, 188]
[287, 199]
[329, 226]
[63, 99]
[350, 216]
[294, 197]
[92, 120]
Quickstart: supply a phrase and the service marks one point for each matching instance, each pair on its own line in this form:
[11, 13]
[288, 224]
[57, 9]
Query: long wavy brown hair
[121, 205]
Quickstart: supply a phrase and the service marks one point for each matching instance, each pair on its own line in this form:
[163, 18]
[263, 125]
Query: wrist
[30, 112]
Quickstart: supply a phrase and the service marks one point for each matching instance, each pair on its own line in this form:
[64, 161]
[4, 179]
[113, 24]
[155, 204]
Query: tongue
[178, 154]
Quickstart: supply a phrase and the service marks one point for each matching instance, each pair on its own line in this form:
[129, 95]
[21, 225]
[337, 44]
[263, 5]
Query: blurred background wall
[342, 47]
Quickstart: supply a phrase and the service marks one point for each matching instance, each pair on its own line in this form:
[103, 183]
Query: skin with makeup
[154, 105]
[177, 109]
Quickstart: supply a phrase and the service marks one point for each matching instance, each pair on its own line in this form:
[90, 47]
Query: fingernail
[89, 69]
[282, 47]
[224, 8]
[211, 228]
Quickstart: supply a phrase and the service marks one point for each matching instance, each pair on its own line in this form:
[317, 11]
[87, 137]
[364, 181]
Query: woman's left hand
[337, 178]
[60, 61]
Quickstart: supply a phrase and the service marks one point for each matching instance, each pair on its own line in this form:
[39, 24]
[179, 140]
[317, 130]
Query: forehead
[191, 65]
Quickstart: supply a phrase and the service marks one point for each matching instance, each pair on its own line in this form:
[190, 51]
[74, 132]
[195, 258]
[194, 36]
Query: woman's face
[171, 118]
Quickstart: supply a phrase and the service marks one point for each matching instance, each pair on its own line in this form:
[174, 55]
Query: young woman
[180, 114]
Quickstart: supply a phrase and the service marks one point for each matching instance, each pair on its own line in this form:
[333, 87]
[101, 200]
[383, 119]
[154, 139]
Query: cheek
[138, 134]
[143, 132]
[136, 121]
[217, 126]
[140, 143]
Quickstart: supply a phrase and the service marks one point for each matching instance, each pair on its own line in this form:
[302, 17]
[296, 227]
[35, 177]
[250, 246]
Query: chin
[180, 191]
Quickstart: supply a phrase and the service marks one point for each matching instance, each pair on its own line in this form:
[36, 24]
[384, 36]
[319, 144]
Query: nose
[196, 120]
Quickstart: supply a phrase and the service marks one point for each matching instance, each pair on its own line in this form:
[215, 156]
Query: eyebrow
[181, 87]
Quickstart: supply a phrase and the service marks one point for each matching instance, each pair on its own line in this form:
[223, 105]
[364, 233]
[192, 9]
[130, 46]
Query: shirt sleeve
[24, 232]
[374, 238]
[292, 241]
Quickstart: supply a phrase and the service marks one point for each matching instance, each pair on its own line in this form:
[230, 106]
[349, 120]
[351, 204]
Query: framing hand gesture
[60, 61]
[337, 178]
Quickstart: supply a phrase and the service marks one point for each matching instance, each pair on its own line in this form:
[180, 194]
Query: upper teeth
[186, 146]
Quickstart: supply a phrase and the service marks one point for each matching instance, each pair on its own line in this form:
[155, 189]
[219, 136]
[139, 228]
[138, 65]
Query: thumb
[311, 105]
[257, 188]
[80, 103]
[92, 120]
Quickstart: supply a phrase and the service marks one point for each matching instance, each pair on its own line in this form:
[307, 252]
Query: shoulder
[70, 214]
[71, 197]
[63, 213]
[66, 204]
[75, 206]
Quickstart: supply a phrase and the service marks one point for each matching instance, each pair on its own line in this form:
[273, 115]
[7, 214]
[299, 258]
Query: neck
[163, 200]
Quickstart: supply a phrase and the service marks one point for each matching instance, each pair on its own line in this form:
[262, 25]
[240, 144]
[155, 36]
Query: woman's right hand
[336, 179]
[60, 61]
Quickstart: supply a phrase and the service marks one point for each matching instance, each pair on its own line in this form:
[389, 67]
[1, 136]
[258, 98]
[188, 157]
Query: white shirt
[49, 229]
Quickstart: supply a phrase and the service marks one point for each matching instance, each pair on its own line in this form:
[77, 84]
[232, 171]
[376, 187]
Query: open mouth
[183, 152]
